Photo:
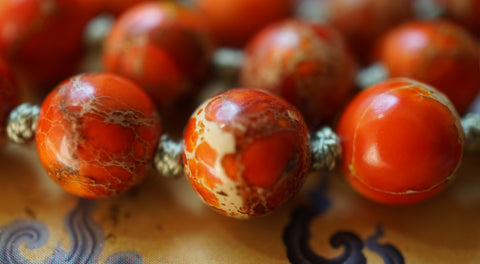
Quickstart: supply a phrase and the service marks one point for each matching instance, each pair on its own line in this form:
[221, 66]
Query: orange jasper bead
[42, 40]
[438, 53]
[163, 47]
[402, 142]
[305, 63]
[246, 152]
[97, 134]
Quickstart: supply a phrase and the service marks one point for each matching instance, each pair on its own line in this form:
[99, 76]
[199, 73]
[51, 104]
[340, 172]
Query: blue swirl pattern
[86, 240]
[296, 237]
[388, 252]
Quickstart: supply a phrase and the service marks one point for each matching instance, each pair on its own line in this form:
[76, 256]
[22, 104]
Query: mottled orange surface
[438, 53]
[303, 62]
[42, 40]
[234, 22]
[163, 47]
[402, 142]
[268, 158]
[97, 134]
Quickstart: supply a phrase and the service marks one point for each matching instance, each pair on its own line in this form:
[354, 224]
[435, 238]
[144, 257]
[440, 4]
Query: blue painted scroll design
[86, 237]
[296, 237]
[388, 252]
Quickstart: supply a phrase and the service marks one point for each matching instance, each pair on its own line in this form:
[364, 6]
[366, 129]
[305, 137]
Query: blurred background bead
[42, 40]
[162, 46]
[437, 52]
[305, 63]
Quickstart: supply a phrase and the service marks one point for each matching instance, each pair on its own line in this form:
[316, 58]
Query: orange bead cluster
[246, 151]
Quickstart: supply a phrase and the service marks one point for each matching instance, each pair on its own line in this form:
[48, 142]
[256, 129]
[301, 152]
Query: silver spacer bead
[326, 149]
[227, 63]
[428, 9]
[168, 158]
[22, 123]
[471, 129]
[371, 75]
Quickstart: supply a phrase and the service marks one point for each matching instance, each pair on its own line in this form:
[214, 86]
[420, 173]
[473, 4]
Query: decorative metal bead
[168, 158]
[471, 129]
[227, 62]
[22, 123]
[326, 150]
[428, 9]
[371, 75]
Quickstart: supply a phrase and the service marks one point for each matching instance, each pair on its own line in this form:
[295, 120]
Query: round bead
[42, 40]
[305, 63]
[438, 53]
[363, 21]
[246, 152]
[234, 22]
[97, 134]
[162, 46]
[402, 142]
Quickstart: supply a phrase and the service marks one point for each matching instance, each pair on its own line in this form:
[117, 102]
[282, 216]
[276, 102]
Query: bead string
[325, 144]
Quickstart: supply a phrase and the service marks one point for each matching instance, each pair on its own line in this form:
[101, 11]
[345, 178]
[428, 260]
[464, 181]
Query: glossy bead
[8, 96]
[363, 21]
[234, 22]
[97, 134]
[163, 47]
[438, 53]
[303, 62]
[402, 142]
[246, 152]
[42, 40]
[465, 12]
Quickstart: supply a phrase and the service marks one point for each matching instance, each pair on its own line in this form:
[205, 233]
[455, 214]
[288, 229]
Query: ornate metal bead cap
[168, 158]
[471, 129]
[326, 150]
[22, 123]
